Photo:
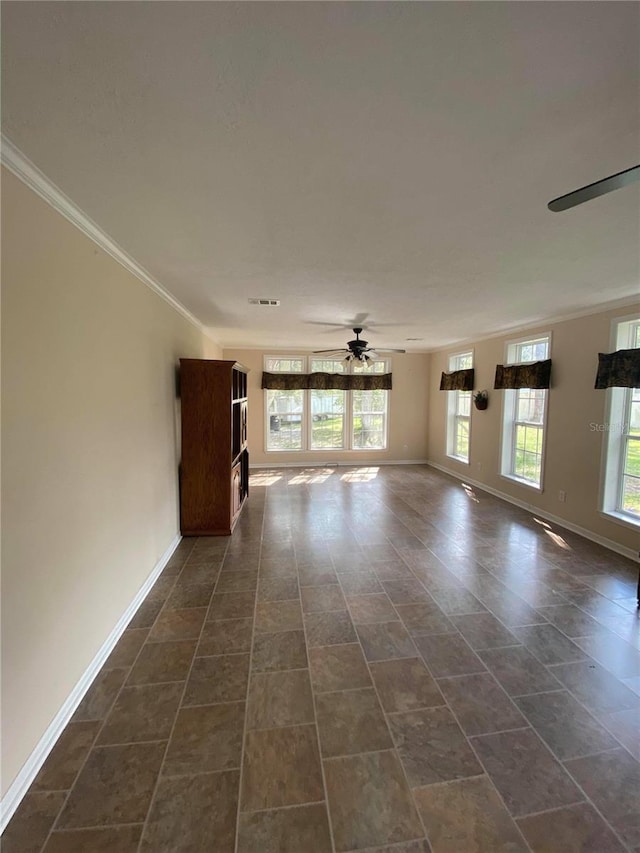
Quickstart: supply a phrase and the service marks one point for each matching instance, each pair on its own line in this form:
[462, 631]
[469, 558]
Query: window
[284, 408]
[326, 420]
[524, 417]
[622, 437]
[327, 409]
[369, 411]
[459, 412]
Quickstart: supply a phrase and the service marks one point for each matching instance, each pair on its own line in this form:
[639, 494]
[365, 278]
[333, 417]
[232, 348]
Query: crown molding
[27, 172]
[601, 308]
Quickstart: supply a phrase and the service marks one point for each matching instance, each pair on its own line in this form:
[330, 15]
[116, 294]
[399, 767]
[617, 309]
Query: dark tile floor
[377, 659]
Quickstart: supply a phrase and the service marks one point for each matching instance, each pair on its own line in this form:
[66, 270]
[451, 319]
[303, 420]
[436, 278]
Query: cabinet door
[236, 490]
[243, 424]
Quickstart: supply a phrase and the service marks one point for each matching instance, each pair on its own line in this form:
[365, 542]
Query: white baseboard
[359, 464]
[31, 767]
[556, 519]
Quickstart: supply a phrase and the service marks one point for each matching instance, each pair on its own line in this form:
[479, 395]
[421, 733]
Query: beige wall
[407, 415]
[573, 448]
[89, 455]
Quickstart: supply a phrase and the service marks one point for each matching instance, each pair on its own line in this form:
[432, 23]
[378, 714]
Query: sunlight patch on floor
[315, 475]
[264, 478]
[555, 537]
[470, 493]
[360, 475]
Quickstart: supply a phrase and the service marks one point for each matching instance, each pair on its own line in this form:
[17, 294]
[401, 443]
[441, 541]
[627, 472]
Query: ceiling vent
[273, 302]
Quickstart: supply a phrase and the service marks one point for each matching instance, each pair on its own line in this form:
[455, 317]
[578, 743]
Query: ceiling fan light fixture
[357, 349]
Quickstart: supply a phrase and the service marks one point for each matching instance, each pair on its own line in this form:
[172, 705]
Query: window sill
[329, 450]
[621, 518]
[458, 459]
[526, 483]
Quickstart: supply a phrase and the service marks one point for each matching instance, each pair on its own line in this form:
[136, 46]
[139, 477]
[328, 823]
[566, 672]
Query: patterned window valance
[534, 375]
[326, 381]
[457, 380]
[620, 369]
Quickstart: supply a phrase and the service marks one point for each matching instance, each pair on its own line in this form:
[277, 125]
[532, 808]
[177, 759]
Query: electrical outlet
[562, 496]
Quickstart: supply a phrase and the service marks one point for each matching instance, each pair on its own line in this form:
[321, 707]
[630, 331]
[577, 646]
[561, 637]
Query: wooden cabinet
[214, 471]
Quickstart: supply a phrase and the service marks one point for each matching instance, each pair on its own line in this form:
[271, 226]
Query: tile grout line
[246, 697]
[108, 712]
[576, 698]
[587, 799]
[485, 774]
[595, 754]
[177, 714]
[588, 711]
[385, 716]
[315, 716]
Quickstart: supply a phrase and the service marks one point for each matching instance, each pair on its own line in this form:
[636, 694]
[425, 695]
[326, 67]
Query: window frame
[510, 422]
[617, 412]
[453, 418]
[307, 417]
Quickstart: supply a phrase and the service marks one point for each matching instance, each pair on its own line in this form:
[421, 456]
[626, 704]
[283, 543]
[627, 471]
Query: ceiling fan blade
[331, 328]
[598, 188]
[335, 350]
[359, 319]
[330, 325]
[384, 349]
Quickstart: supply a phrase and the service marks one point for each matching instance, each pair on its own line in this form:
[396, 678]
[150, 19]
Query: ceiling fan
[598, 188]
[357, 349]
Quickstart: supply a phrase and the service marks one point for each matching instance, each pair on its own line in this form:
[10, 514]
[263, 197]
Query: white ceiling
[387, 159]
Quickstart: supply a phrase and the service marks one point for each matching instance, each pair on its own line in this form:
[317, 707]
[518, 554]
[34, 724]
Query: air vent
[272, 302]
[414, 339]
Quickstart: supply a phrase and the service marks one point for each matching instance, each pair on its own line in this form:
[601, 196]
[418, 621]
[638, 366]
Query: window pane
[284, 410]
[284, 365]
[634, 415]
[369, 419]
[462, 361]
[368, 431]
[534, 350]
[463, 403]
[632, 457]
[462, 439]
[527, 459]
[327, 365]
[369, 401]
[631, 495]
[530, 405]
[370, 366]
[327, 419]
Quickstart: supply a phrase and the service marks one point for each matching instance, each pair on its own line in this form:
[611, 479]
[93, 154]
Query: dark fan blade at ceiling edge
[598, 188]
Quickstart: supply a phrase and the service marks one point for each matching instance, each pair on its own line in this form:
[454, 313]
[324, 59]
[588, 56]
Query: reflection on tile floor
[387, 664]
